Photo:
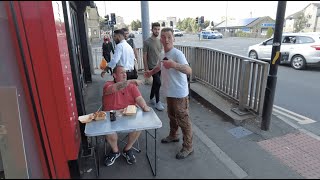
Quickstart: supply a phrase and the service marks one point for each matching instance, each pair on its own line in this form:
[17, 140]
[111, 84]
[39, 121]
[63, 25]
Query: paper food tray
[130, 110]
[85, 118]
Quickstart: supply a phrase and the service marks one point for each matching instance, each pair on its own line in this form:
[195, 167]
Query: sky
[211, 10]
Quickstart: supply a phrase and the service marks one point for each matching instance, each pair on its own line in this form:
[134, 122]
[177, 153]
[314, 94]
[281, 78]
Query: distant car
[177, 32]
[131, 35]
[209, 35]
[218, 35]
[298, 49]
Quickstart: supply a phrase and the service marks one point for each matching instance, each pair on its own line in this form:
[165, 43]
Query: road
[297, 91]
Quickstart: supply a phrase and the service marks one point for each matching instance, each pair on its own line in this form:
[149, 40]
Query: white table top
[140, 121]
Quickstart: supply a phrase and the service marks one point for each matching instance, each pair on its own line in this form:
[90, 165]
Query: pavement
[222, 148]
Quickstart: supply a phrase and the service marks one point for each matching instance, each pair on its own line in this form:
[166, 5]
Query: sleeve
[181, 58]
[108, 83]
[135, 91]
[116, 56]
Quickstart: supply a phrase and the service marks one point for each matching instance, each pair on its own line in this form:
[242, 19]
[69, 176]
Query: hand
[147, 74]
[103, 73]
[169, 64]
[146, 108]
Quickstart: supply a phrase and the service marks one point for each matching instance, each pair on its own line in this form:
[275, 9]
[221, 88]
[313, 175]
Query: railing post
[243, 88]
[192, 62]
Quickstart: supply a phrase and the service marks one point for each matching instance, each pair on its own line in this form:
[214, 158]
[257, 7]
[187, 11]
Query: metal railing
[97, 57]
[241, 78]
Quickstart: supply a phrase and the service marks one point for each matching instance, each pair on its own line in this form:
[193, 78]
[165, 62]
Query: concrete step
[213, 99]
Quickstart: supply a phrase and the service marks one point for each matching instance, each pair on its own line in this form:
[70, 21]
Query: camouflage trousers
[178, 113]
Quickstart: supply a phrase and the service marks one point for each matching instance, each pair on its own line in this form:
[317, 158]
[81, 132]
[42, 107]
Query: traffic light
[113, 18]
[163, 24]
[202, 19]
[107, 17]
[197, 20]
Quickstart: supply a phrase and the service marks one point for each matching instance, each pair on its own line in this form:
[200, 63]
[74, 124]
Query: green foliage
[269, 32]
[206, 24]
[241, 34]
[187, 25]
[135, 25]
[300, 23]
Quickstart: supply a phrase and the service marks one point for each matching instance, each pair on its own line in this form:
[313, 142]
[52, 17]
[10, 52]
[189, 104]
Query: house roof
[297, 14]
[316, 4]
[236, 23]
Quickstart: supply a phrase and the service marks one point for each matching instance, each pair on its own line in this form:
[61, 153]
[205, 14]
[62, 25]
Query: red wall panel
[46, 45]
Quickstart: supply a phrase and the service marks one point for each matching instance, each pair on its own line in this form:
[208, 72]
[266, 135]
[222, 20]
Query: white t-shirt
[123, 55]
[174, 83]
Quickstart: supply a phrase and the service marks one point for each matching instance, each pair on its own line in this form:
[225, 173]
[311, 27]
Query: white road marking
[286, 120]
[292, 115]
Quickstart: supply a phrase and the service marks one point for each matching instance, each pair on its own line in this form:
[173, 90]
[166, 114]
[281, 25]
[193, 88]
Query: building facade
[93, 25]
[250, 27]
[309, 15]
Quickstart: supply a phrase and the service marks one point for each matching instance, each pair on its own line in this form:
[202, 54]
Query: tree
[269, 32]
[139, 23]
[135, 25]
[179, 24]
[300, 22]
[206, 24]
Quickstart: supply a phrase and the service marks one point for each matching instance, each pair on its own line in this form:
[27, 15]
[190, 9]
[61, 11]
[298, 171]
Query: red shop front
[43, 66]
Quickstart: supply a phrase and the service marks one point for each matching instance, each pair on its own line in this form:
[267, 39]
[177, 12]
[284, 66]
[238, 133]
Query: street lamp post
[273, 70]
[105, 11]
[225, 29]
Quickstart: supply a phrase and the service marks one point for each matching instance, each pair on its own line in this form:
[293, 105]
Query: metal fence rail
[240, 78]
[97, 57]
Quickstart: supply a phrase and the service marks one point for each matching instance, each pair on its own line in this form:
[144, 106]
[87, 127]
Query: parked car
[298, 49]
[217, 34]
[210, 34]
[177, 32]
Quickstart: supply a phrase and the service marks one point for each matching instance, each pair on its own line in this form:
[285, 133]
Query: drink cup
[113, 115]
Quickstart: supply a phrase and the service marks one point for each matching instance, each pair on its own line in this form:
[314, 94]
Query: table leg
[154, 170]
[98, 158]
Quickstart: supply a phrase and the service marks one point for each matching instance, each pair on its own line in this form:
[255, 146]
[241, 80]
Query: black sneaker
[111, 158]
[131, 159]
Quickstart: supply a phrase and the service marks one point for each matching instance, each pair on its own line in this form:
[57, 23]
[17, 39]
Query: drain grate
[239, 132]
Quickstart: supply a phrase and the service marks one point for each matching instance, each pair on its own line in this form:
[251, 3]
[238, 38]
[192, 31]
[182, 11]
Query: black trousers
[107, 57]
[156, 83]
[132, 74]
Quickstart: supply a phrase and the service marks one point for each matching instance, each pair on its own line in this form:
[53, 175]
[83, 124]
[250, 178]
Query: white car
[177, 32]
[298, 49]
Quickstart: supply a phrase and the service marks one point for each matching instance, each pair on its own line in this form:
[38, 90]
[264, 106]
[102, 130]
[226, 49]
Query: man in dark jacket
[107, 48]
